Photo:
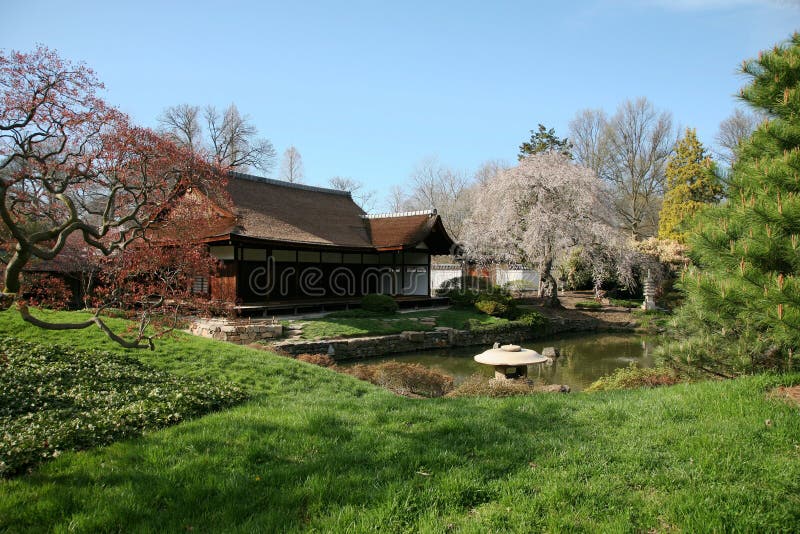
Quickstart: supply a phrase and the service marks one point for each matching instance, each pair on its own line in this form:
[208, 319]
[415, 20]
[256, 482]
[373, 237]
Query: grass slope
[321, 451]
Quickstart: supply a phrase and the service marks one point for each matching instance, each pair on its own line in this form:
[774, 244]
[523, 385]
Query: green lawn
[457, 318]
[317, 450]
[339, 327]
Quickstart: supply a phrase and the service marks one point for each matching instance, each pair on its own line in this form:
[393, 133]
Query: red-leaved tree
[70, 165]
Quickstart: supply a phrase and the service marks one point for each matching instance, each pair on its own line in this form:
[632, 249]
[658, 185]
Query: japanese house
[283, 243]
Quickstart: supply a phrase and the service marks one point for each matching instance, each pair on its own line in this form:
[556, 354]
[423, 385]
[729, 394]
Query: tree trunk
[547, 276]
[12, 276]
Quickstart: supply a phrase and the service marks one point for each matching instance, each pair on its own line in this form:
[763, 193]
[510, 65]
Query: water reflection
[584, 358]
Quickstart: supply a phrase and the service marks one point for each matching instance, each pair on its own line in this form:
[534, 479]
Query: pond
[584, 358]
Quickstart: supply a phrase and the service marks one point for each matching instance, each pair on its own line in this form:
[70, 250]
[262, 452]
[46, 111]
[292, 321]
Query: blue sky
[368, 89]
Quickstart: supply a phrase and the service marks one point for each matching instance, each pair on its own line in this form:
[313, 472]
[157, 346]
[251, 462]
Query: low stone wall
[238, 332]
[441, 337]
[367, 347]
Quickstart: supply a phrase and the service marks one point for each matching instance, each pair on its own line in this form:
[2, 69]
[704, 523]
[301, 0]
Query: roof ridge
[398, 214]
[281, 183]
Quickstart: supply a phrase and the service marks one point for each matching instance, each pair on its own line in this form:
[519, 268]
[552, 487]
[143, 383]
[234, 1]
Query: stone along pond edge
[440, 338]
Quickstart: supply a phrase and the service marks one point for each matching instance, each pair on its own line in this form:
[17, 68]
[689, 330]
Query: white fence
[441, 273]
[526, 277]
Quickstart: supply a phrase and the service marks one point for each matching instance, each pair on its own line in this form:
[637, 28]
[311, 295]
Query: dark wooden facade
[287, 242]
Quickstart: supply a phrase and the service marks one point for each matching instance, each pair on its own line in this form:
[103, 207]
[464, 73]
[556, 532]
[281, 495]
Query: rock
[551, 352]
[414, 337]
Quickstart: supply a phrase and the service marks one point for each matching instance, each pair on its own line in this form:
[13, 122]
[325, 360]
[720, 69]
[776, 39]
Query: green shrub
[478, 326]
[493, 308]
[497, 302]
[588, 305]
[577, 272]
[403, 378]
[55, 399]
[462, 299]
[633, 377]
[379, 303]
[532, 319]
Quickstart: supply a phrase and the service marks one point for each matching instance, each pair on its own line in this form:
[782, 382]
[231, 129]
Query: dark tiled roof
[387, 232]
[409, 230]
[280, 211]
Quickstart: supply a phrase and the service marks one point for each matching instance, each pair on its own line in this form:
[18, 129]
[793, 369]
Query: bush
[497, 302]
[462, 299]
[532, 319]
[55, 399]
[476, 325]
[46, 291]
[577, 272]
[323, 360]
[588, 305]
[379, 304]
[403, 378]
[493, 308]
[633, 377]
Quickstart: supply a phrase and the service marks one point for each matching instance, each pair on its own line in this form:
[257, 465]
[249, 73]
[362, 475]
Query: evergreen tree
[743, 298]
[691, 186]
[544, 141]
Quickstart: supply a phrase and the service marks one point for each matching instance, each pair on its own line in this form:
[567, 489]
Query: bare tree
[488, 170]
[229, 139]
[363, 197]
[182, 125]
[397, 199]
[587, 133]
[435, 186]
[630, 152]
[734, 130]
[292, 166]
[234, 142]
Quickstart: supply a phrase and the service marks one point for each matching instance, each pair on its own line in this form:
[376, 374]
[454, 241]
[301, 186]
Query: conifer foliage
[743, 298]
[691, 186]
